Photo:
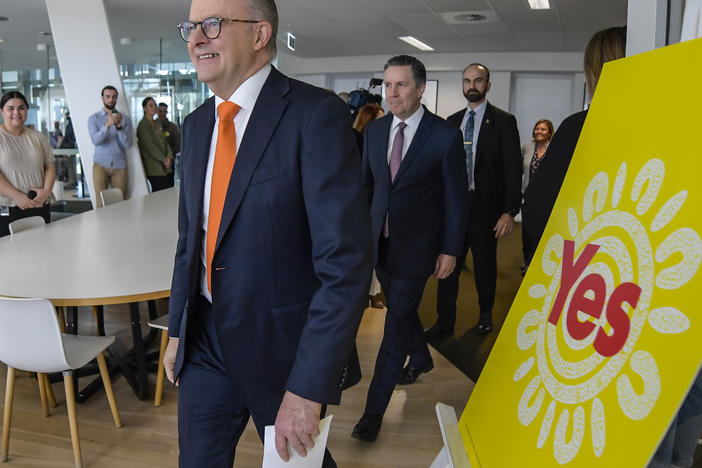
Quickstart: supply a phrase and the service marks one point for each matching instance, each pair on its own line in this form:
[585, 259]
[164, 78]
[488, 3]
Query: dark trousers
[403, 334]
[18, 213]
[160, 182]
[480, 239]
[211, 417]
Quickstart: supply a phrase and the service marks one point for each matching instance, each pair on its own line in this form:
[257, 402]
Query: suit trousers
[480, 239]
[403, 334]
[211, 417]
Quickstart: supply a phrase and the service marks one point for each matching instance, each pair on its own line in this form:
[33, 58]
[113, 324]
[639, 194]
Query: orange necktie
[225, 155]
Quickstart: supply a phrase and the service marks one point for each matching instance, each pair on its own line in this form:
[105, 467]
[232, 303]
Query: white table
[122, 253]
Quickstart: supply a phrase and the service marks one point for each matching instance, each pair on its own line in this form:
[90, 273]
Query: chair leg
[7, 416]
[161, 369]
[72, 419]
[49, 391]
[61, 319]
[107, 383]
[42, 393]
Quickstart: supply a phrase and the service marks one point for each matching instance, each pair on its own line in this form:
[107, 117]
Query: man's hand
[117, 119]
[110, 120]
[504, 225]
[169, 358]
[297, 422]
[167, 163]
[445, 265]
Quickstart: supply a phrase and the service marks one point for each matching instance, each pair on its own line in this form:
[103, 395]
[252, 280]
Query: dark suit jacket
[498, 164]
[541, 193]
[426, 204]
[291, 266]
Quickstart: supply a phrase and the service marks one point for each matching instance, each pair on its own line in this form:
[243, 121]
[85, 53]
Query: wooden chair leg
[61, 319]
[42, 393]
[49, 391]
[72, 419]
[97, 319]
[107, 383]
[161, 369]
[7, 416]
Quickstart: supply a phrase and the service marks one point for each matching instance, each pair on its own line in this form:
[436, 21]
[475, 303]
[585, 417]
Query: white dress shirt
[478, 121]
[408, 133]
[245, 97]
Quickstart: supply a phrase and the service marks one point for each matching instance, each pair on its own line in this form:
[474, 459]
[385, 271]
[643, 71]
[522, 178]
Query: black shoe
[367, 427]
[410, 374]
[484, 324]
[437, 331]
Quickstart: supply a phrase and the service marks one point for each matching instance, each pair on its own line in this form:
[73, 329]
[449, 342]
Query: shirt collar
[412, 121]
[480, 110]
[246, 94]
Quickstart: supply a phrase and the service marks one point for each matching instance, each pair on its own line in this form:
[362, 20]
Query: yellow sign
[603, 339]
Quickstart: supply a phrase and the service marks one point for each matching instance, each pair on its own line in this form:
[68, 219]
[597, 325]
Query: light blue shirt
[110, 144]
[478, 121]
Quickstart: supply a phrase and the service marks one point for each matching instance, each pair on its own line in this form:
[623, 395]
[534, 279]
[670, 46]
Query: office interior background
[535, 55]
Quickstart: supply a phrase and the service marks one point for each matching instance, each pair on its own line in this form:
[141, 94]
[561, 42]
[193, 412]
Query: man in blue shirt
[111, 133]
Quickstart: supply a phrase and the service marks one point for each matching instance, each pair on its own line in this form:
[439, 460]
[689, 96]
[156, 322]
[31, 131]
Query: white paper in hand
[314, 457]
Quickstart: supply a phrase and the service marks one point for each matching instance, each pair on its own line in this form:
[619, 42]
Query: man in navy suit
[415, 172]
[494, 164]
[263, 325]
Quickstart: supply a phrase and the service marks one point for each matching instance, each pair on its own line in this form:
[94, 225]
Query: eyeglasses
[211, 27]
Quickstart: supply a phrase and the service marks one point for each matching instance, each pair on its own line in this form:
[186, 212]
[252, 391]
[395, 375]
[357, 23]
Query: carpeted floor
[466, 349]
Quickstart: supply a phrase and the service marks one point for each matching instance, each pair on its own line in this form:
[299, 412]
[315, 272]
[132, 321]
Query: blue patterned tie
[468, 145]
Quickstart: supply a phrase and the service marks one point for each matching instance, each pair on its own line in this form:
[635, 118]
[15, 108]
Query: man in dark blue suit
[271, 275]
[416, 177]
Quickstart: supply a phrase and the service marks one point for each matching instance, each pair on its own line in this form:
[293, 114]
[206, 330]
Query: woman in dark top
[541, 194]
[533, 153]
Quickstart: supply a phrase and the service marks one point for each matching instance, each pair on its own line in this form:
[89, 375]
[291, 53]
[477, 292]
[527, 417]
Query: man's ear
[421, 89]
[264, 34]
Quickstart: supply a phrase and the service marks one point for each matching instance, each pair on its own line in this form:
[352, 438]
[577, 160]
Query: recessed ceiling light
[539, 4]
[413, 41]
[125, 41]
[43, 33]
[2, 40]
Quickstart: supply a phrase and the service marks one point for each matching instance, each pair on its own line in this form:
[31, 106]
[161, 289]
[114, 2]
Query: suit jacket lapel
[264, 119]
[420, 137]
[202, 129]
[486, 128]
[382, 148]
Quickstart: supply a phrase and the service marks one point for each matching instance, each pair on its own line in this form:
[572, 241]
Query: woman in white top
[532, 155]
[27, 170]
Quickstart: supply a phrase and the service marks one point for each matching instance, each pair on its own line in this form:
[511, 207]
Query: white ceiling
[332, 28]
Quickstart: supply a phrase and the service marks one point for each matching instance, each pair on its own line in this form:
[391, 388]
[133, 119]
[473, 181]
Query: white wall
[347, 73]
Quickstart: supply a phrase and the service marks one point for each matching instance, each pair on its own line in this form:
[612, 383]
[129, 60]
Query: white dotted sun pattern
[597, 304]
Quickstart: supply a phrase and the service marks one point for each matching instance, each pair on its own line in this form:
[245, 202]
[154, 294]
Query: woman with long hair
[155, 151]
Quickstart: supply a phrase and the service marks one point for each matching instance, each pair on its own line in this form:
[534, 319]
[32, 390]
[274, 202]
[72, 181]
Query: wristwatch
[513, 212]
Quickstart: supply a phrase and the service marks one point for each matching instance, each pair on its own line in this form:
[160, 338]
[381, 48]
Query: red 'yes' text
[605, 344]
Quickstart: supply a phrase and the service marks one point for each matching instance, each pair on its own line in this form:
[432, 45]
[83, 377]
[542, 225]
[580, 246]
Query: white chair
[23, 224]
[160, 323]
[30, 339]
[111, 196]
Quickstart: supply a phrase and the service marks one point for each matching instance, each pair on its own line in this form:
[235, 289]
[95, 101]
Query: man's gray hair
[268, 12]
